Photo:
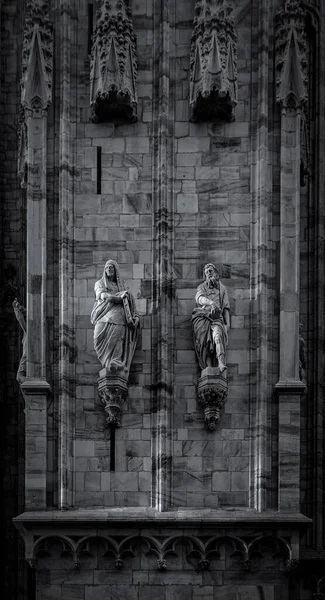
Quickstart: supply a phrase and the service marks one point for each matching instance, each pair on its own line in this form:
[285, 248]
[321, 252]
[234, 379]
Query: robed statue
[116, 321]
[20, 313]
[211, 320]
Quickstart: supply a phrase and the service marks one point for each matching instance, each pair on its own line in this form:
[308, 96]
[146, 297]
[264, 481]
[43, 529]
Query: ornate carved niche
[213, 62]
[36, 74]
[291, 59]
[113, 63]
[37, 57]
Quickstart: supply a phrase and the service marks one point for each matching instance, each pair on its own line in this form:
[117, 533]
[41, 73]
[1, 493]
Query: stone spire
[36, 74]
[113, 63]
[213, 62]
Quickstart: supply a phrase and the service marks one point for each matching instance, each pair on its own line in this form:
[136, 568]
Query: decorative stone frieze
[165, 547]
[213, 62]
[113, 63]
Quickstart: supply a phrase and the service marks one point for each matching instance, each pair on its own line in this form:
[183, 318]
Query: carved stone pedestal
[212, 392]
[113, 390]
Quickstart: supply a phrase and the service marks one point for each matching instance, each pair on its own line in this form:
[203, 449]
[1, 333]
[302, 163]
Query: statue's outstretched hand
[17, 306]
[215, 311]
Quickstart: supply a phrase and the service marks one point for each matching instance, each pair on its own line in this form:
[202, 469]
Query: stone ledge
[33, 385]
[147, 516]
[290, 386]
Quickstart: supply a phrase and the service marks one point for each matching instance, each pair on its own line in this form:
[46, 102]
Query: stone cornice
[120, 530]
[147, 516]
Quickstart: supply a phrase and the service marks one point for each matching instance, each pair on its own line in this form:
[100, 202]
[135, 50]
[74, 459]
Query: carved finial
[113, 63]
[213, 62]
[291, 55]
[37, 57]
[36, 75]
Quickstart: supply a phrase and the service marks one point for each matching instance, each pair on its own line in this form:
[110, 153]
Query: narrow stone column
[35, 393]
[289, 388]
[36, 241]
[162, 343]
[260, 219]
[36, 95]
[292, 98]
[66, 27]
[289, 447]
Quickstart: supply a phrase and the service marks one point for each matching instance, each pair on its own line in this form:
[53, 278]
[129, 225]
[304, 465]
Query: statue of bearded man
[211, 320]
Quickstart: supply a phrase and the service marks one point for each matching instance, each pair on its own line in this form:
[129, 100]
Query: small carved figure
[302, 355]
[115, 319]
[20, 313]
[211, 320]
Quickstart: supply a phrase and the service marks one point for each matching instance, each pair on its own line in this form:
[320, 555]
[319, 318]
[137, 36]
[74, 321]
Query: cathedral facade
[162, 299]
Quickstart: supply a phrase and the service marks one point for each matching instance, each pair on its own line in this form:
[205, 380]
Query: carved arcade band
[211, 320]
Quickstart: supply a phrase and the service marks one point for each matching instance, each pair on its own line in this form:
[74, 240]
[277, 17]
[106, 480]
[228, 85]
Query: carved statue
[302, 355]
[20, 313]
[211, 320]
[115, 320]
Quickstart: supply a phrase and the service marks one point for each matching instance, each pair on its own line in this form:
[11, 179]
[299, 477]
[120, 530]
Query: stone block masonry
[115, 224]
[213, 213]
[161, 507]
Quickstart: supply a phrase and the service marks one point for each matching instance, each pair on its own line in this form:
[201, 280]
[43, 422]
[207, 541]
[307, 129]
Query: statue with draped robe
[116, 323]
[20, 313]
[211, 321]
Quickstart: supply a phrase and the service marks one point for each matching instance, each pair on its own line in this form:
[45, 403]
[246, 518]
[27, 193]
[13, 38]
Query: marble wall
[117, 224]
[211, 199]
[212, 224]
[164, 196]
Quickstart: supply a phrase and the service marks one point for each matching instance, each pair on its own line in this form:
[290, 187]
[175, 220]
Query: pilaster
[36, 93]
[35, 392]
[162, 329]
[66, 28]
[292, 98]
[260, 455]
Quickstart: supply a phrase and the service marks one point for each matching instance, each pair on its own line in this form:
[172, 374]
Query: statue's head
[110, 270]
[211, 274]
